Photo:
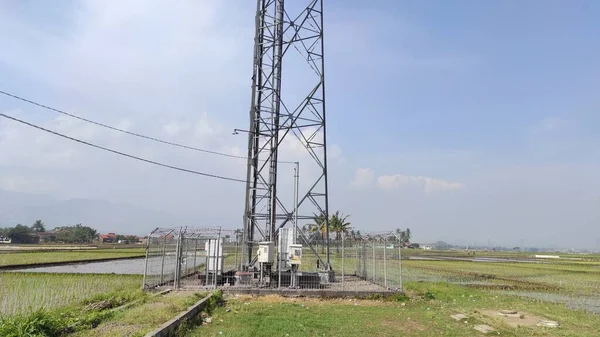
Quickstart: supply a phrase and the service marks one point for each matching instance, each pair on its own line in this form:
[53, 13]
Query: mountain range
[105, 216]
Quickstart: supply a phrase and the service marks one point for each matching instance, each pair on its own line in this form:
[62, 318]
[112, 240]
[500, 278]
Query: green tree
[403, 236]
[76, 234]
[339, 225]
[318, 228]
[20, 234]
[38, 226]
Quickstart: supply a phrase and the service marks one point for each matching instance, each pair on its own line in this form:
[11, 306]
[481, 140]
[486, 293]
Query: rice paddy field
[22, 293]
[11, 258]
[575, 284]
[445, 283]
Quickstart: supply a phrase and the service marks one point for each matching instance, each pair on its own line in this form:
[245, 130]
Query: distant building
[107, 238]
[45, 237]
[427, 247]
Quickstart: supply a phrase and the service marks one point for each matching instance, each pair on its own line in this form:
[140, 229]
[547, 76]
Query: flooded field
[122, 267]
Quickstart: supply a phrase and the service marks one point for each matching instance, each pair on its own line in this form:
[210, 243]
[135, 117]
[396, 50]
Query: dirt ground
[514, 320]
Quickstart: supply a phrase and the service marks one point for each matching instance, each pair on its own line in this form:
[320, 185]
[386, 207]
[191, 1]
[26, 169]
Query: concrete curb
[168, 328]
[313, 293]
[131, 304]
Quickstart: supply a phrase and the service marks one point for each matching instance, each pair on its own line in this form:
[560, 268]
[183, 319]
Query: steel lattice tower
[279, 33]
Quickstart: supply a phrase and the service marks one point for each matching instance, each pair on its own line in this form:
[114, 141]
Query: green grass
[145, 317]
[35, 257]
[574, 279]
[426, 313]
[78, 316]
[23, 293]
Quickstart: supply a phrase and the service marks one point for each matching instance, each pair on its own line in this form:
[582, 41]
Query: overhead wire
[125, 131]
[121, 153]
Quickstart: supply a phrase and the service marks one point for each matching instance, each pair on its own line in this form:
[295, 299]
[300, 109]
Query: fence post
[373, 278]
[217, 266]
[400, 264]
[357, 266]
[177, 261]
[364, 261]
[384, 263]
[236, 251]
[146, 262]
[343, 261]
[195, 252]
[162, 266]
[207, 263]
[184, 249]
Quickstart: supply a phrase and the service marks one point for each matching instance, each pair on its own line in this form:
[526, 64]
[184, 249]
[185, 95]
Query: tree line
[340, 226]
[65, 234]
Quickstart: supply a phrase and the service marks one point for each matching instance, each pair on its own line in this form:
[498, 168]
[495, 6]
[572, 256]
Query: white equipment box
[295, 254]
[214, 252]
[266, 251]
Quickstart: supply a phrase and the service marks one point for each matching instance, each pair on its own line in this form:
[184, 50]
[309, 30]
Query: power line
[125, 131]
[121, 153]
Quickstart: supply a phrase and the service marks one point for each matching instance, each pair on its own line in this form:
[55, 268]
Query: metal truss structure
[280, 32]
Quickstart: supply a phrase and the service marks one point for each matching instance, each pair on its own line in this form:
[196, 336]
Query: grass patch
[427, 313]
[149, 315]
[66, 320]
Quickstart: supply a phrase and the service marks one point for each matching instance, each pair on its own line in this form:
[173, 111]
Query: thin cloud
[363, 177]
[427, 184]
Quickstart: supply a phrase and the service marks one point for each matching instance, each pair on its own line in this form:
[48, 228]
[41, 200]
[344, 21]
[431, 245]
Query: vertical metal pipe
[177, 261]
[384, 263]
[162, 263]
[400, 263]
[296, 189]
[195, 252]
[279, 261]
[236, 249]
[207, 262]
[324, 135]
[253, 136]
[364, 261]
[275, 115]
[218, 263]
[146, 261]
[184, 250]
[373, 262]
[357, 267]
[343, 270]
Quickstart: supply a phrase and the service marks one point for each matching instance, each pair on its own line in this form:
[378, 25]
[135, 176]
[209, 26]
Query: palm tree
[339, 226]
[319, 227]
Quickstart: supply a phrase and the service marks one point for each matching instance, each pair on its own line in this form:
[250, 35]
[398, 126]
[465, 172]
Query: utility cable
[122, 153]
[127, 132]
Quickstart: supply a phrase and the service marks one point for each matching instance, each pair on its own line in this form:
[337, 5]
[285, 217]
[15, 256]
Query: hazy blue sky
[463, 120]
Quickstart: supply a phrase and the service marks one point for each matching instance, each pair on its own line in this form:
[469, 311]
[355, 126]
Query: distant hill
[105, 216]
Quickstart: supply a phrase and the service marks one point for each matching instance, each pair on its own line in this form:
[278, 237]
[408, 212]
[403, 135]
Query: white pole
[343, 260]
[279, 260]
[296, 188]
[400, 264]
[146, 261]
[384, 263]
[374, 262]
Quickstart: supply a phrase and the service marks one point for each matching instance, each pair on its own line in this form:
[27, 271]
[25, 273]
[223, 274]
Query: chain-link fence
[186, 256]
[212, 257]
